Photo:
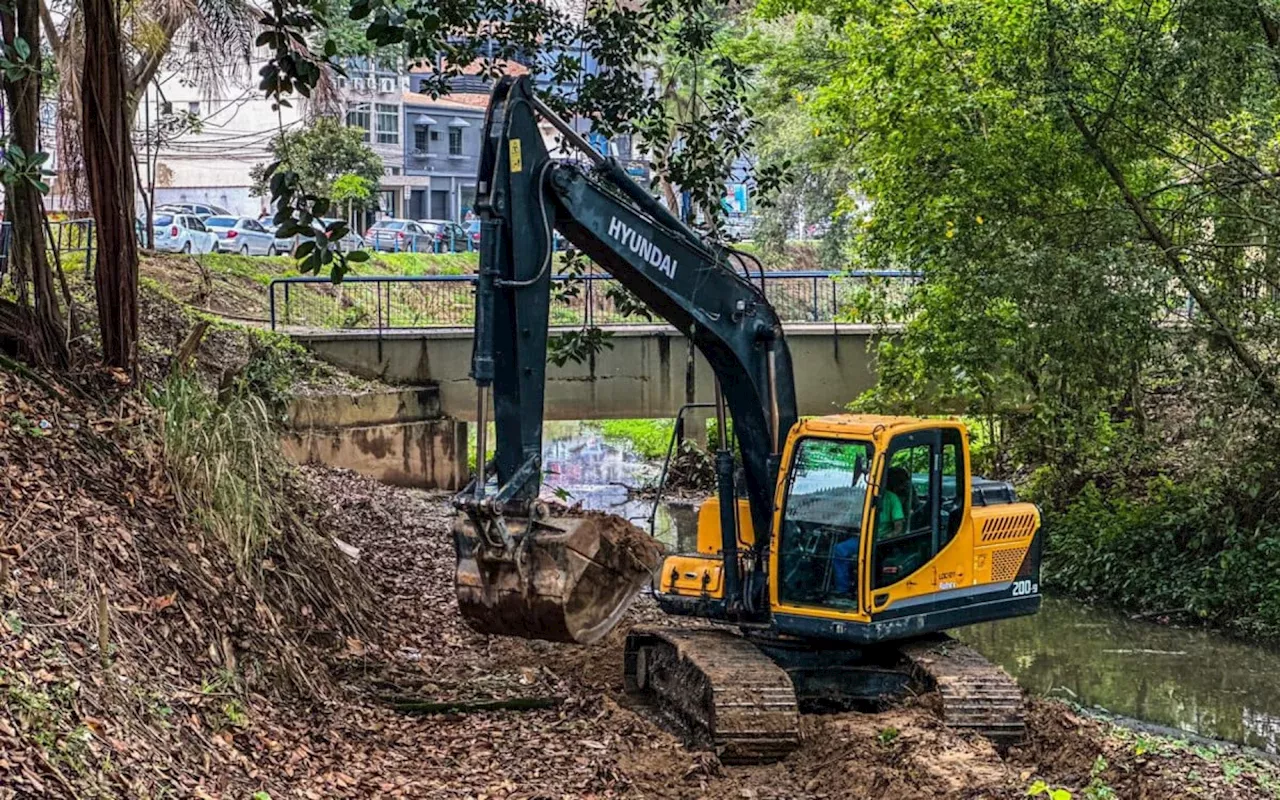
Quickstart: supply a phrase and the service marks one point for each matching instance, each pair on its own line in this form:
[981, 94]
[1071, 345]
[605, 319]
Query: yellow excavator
[830, 568]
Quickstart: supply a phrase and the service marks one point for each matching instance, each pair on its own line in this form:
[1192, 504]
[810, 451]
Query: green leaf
[21, 47]
[358, 256]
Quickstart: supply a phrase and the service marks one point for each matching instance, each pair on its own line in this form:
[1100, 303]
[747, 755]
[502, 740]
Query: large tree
[1068, 174]
[321, 153]
[108, 162]
[32, 323]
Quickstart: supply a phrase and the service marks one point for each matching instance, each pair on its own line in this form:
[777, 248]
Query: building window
[388, 124]
[387, 202]
[455, 141]
[358, 117]
[390, 171]
[193, 46]
[420, 139]
[193, 108]
[166, 108]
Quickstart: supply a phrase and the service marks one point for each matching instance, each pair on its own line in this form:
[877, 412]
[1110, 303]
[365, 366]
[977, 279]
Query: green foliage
[887, 736]
[300, 182]
[1202, 547]
[224, 460]
[327, 157]
[649, 437]
[577, 346]
[1041, 789]
[276, 366]
[19, 166]
[1066, 175]
[351, 187]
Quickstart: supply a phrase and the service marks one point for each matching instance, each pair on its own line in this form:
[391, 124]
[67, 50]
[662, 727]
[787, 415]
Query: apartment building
[207, 135]
[371, 97]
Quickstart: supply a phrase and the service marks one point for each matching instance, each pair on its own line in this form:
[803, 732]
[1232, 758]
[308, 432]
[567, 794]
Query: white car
[183, 233]
[200, 210]
[242, 235]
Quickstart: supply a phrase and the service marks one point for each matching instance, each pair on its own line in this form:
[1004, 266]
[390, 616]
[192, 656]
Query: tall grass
[224, 460]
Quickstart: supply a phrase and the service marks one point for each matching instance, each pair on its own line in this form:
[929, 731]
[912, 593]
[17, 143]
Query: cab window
[954, 480]
[906, 524]
[822, 523]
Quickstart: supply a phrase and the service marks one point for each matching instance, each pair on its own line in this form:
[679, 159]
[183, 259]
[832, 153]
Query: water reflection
[600, 473]
[1193, 680]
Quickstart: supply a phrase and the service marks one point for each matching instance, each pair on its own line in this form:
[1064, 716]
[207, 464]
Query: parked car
[739, 228]
[450, 237]
[351, 241]
[473, 233]
[391, 235]
[242, 235]
[200, 210]
[182, 233]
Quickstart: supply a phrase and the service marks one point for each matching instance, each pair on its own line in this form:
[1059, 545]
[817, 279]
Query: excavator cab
[880, 532]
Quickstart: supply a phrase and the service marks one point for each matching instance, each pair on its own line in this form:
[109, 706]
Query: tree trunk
[104, 113]
[45, 342]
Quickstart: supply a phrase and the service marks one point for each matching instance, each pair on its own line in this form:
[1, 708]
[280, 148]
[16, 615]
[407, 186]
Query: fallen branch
[19, 368]
[413, 705]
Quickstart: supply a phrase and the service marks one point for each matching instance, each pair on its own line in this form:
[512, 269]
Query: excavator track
[718, 689]
[977, 696]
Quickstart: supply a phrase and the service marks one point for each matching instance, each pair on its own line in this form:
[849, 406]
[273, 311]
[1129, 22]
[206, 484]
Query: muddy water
[1195, 681]
[581, 466]
[1190, 680]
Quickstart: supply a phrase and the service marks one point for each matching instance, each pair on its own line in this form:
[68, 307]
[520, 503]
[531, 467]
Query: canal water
[1191, 680]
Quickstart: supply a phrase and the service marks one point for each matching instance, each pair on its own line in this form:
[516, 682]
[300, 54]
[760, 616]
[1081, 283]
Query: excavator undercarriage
[742, 696]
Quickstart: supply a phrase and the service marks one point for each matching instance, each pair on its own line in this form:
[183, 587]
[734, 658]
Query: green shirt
[890, 513]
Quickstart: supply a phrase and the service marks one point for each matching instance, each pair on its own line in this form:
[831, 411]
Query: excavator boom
[521, 573]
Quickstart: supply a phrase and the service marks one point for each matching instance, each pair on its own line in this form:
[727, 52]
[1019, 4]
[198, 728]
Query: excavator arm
[522, 194]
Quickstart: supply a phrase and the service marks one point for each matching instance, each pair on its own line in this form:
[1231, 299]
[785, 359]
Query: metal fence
[448, 301]
[62, 237]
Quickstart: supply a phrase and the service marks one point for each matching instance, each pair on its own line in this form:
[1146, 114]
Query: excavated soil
[595, 744]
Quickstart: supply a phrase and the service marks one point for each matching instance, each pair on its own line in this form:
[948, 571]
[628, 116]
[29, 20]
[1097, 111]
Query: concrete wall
[643, 375]
[395, 437]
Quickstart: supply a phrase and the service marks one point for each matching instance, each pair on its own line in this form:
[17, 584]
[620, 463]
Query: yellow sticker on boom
[514, 150]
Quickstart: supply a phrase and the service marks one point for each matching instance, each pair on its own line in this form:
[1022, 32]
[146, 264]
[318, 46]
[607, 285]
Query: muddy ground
[594, 744]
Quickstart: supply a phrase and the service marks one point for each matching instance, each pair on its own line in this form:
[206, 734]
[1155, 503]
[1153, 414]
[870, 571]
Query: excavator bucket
[571, 582]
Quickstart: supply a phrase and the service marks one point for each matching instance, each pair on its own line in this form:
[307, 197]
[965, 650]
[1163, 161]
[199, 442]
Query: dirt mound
[130, 640]
[594, 744]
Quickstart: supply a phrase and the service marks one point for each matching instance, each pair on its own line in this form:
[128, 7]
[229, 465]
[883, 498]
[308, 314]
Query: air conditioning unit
[358, 83]
[387, 85]
[404, 82]
[342, 82]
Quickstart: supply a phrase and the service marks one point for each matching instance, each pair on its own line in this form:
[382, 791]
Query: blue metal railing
[61, 237]
[374, 302]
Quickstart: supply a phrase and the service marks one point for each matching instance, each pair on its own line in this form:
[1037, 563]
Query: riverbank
[595, 743]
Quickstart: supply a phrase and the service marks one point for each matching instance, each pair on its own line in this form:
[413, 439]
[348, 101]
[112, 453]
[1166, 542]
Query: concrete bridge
[416, 333]
[650, 371]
